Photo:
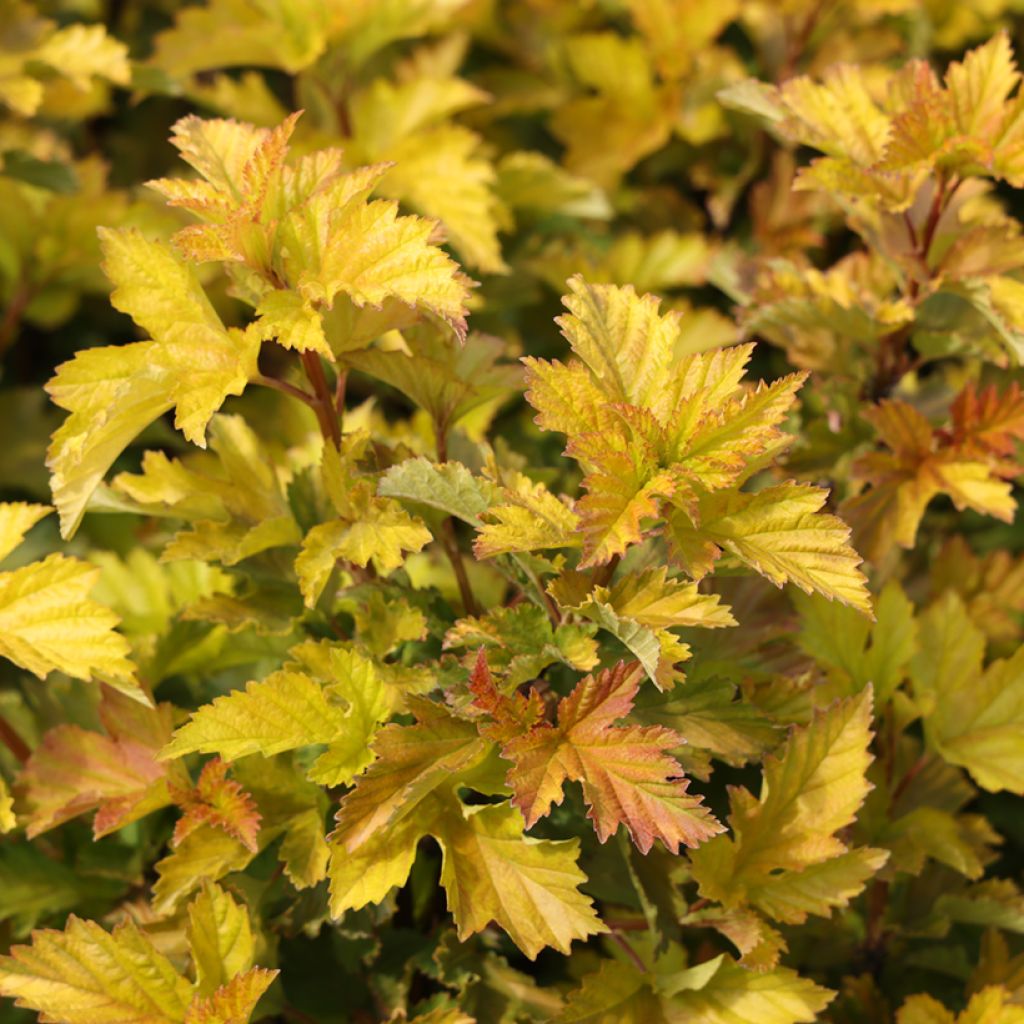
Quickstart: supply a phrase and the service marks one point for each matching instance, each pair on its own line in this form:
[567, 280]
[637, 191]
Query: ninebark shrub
[534, 512]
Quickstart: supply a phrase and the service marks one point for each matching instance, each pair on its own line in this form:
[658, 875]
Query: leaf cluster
[535, 492]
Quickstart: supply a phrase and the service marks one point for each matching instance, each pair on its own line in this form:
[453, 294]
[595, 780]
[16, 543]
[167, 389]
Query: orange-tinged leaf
[242, 166]
[968, 463]
[989, 421]
[619, 497]
[412, 762]
[117, 774]
[628, 778]
[920, 131]
[234, 1002]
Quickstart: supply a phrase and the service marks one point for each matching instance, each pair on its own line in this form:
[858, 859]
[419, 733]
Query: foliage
[424, 438]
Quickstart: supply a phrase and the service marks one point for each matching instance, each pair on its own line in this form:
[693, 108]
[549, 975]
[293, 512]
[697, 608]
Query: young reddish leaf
[988, 421]
[218, 801]
[511, 715]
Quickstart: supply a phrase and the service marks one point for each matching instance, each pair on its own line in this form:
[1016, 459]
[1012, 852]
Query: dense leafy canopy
[534, 492]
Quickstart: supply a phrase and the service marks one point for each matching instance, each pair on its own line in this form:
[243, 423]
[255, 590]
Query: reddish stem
[339, 393]
[285, 388]
[12, 316]
[893, 360]
[798, 44]
[13, 742]
[323, 405]
[451, 546]
[908, 777]
[634, 956]
[878, 899]
[448, 539]
[603, 574]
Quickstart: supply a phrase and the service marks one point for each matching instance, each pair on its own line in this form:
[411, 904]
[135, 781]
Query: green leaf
[379, 864]
[993, 1004]
[639, 610]
[706, 717]
[974, 717]
[736, 995]
[781, 533]
[381, 534]
[442, 377]
[354, 679]
[616, 994]
[856, 652]
[205, 855]
[447, 487]
[219, 937]
[491, 871]
[783, 855]
[34, 887]
[818, 888]
[286, 710]
[718, 991]
[279, 37]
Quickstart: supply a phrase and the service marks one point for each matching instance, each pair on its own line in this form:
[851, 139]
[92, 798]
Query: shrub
[405, 642]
